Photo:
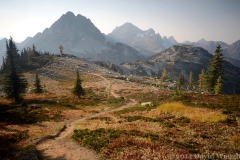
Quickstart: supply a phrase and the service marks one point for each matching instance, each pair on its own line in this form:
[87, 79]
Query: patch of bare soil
[63, 149]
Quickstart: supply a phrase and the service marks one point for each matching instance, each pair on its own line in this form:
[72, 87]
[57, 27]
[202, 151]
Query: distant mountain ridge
[146, 42]
[126, 43]
[210, 46]
[80, 37]
[230, 52]
[233, 50]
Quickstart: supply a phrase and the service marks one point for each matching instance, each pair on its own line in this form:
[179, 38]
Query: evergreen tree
[190, 80]
[201, 80]
[30, 54]
[25, 55]
[14, 84]
[35, 53]
[180, 81]
[163, 77]
[37, 86]
[22, 56]
[34, 49]
[3, 67]
[215, 70]
[78, 90]
[218, 86]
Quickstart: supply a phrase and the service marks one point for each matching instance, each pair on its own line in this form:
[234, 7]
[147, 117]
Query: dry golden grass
[235, 140]
[4, 101]
[197, 114]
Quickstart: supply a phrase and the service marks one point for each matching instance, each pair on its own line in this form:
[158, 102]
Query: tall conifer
[180, 81]
[218, 86]
[37, 86]
[14, 84]
[78, 90]
[163, 77]
[201, 80]
[190, 80]
[215, 70]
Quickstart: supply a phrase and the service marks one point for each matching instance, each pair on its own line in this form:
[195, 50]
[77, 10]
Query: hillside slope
[184, 59]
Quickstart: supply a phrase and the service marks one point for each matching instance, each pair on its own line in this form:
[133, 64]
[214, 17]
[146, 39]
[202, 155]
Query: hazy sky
[217, 20]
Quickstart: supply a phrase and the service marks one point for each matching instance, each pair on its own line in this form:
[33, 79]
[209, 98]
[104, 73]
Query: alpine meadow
[78, 91]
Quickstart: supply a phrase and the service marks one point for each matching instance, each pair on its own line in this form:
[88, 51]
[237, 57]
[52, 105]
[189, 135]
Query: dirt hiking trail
[62, 147]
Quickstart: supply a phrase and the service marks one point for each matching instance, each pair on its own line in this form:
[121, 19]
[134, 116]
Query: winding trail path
[62, 147]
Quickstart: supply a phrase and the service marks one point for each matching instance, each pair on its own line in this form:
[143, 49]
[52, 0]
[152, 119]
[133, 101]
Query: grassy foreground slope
[187, 124]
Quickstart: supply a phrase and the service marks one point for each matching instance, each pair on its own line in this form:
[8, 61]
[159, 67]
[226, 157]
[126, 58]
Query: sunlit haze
[216, 20]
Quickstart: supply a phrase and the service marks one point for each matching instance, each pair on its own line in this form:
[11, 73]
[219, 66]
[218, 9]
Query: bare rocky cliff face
[146, 42]
[80, 37]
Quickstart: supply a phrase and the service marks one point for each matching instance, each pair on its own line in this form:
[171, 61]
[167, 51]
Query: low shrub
[101, 118]
[135, 108]
[146, 119]
[99, 138]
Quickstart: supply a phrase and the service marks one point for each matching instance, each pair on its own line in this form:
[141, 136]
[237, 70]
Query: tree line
[22, 60]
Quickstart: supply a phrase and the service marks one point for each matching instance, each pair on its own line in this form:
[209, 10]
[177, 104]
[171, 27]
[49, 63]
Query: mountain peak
[125, 32]
[165, 38]
[129, 26]
[150, 31]
[171, 38]
[69, 13]
[128, 23]
[201, 40]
